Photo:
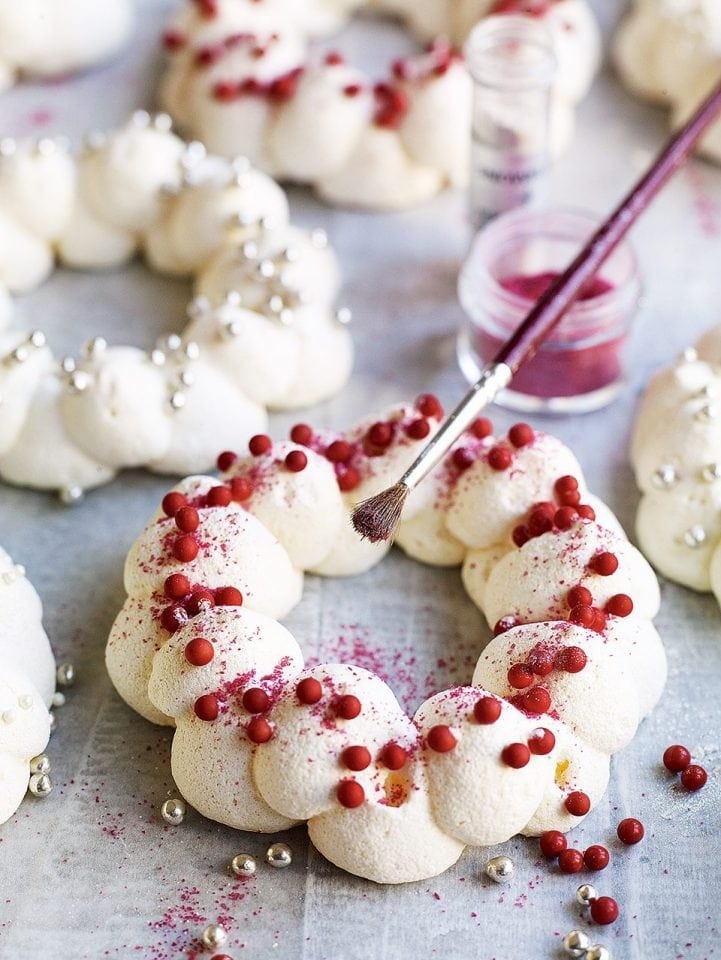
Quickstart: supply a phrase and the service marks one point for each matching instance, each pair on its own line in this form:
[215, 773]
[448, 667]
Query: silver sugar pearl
[664, 476]
[45, 147]
[191, 350]
[71, 494]
[286, 317]
[40, 764]
[37, 339]
[711, 472]
[177, 400]
[232, 329]
[194, 152]
[157, 357]
[20, 354]
[58, 699]
[343, 316]
[140, 119]
[499, 869]
[9, 716]
[79, 381]
[197, 307]
[695, 536]
[275, 303]
[266, 269]
[586, 894]
[53, 722]
[279, 855]
[94, 346]
[250, 250]
[214, 936]
[319, 239]
[40, 785]
[575, 943]
[26, 701]
[291, 254]
[8, 146]
[163, 122]
[597, 952]
[268, 224]
[174, 342]
[243, 865]
[689, 355]
[187, 378]
[173, 811]
[94, 140]
[706, 413]
[68, 364]
[232, 298]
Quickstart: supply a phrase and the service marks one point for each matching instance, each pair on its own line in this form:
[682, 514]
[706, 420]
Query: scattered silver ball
[597, 952]
[40, 764]
[173, 812]
[40, 785]
[689, 355]
[71, 494]
[586, 894]
[279, 855]
[243, 865]
[65, 675]
[695, 536]
[665, 476]
[53, 722]
[214, 936]
[575, 943]
[177, 400]
[711, 472]
[706, 413]
[499, 869]
[343, 316]
[37, 339]
[58, 699]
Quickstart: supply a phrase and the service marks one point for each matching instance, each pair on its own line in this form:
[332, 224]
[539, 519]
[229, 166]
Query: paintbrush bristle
[377, 517]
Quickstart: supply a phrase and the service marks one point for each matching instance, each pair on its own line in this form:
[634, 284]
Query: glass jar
[511, 262]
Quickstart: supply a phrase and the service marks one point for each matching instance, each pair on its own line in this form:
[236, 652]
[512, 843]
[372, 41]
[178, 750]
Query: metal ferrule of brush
[495, 377]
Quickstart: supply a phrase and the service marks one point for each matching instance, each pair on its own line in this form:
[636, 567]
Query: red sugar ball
[199, 601]
[535, 700]
[172, 502]
[586, 512]
[173, 617]
[393, 756]
[228, 597]
[583, 615]
[516, 755]
[350, 794]
[339, 451]
[520, 535]
[620, 605]
[570, 498]
[570, 659]
[520, 676]
[429, 405]
[463, 458]
[541, 742]
[187, 519]
[176, 586]
[260, 444]
[676, 758]
[221, 956]
[604, 564]
[596, 857]
[540, 661]
[441, 738]
[199, 652]
[309, 691]
[206, 707]
[521, 434]
[259, 730]
[552, 843]
[380, 434]
[545, 506]
[579, 597]
[256, 700]
[348, 479]
[694, 777]
[185, 548]
[565, 517]
[599, 621]
[630, 831]
[225, 460]
[418, 429]
[539, 522]
[219, 496]
[504, 624]
[499, 457]
[301, 433]
[347, 707]
[567, 484]
[578, 803]
[296, 461]
[604, 910]
[487, 710]
[240, 489]
[481, 428]
[570, 861]
[356, 758]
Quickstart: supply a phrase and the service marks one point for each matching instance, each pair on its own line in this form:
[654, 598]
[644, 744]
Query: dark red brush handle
[558, 298]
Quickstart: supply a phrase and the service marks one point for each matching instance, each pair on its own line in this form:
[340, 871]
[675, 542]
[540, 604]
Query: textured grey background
[93, 872]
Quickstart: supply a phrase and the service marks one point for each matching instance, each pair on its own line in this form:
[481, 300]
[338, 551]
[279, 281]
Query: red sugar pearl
[348, 479]
[199, 601]
[583, 615]
[535, 700]
[301, 433]
[565, 517]
[206, 707]
[172, 502]
[463, 458]
[541, 742]
[570, 861]
[620, 605]
[676, 758]
[176, 586]
[296, 461]
[228, 597]
[579, 596]
[540, 661]
[586, 512]
[380, 434]
[577, 803]
[503, 625]
[604, 564]
[539, 522]
[185, 548]
[256, 700]
[393, 756]
[259, 730]
[552, 843]
[350, 794]
[570, 659]
[187, 519]
[173, 617]
[487, 710]
[441, 738]
[260, 444]
[499, 458]
[240, 489]
[347, 707]
[481, 428]
[571, 498]
[339, 451]
[521, 434]
[520, 535]
[309, 691]
[221, 956]
[599, 621]
[356, 758]
[630, 831]
[429, 405]
[565, 484]
[520, 676]
[604, 910]
[219, 496]
[199, 652]
[694, 777]
[596, 857]
[418, 429]
[225, 460]
[516, 755]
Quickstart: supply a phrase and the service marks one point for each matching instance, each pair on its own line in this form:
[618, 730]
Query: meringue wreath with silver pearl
[263, 330]
[263, 742]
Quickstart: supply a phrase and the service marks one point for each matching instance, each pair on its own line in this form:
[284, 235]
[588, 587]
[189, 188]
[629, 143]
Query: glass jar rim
[493, 31]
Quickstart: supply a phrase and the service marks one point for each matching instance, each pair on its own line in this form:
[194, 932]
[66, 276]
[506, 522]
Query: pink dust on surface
[42, 117]
[706, 207]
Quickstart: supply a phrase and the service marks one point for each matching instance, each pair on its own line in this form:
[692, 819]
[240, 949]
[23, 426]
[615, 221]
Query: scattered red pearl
[187, 519]
[535, 700]
[583, 615]
[225, 460]
[599, 621]
[347, 707]
[481, 428]
[521, 434]
[565, 517]
[567, 484]
[570, 861]
[200, 601]
[260, 444]
[604, 564]
[441, 738]
[393, 756]
[520, 535]
[339, 451]
[620, 605]
[206, 707]
[256, 700]
[219, 496]
[503, 625]
[571, 498]
[301, 433]
[539, 522]
[173, 40]
[356, 758]
[380, 434]
[694, 777]
[541, 742]
[259, 730]
[418, 429]
[499, 458]
[296, 461]
[520, 676]
[596, 857]
[309, 691]
[604, 910]
[176, 586]
[173, 617]
[429, 405]
[350, 794]
[630, 831]
[348, 479]
[240, 488]
[463, 458]
[552, 843]
[228, 597]
[586, 512]
[185, 548]
[676, 758]
[516, 755]
[540, 660]
[172, 502]
[487, 710]
[578, 803]
[570, 659]
[579, 597]
[199, 652]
